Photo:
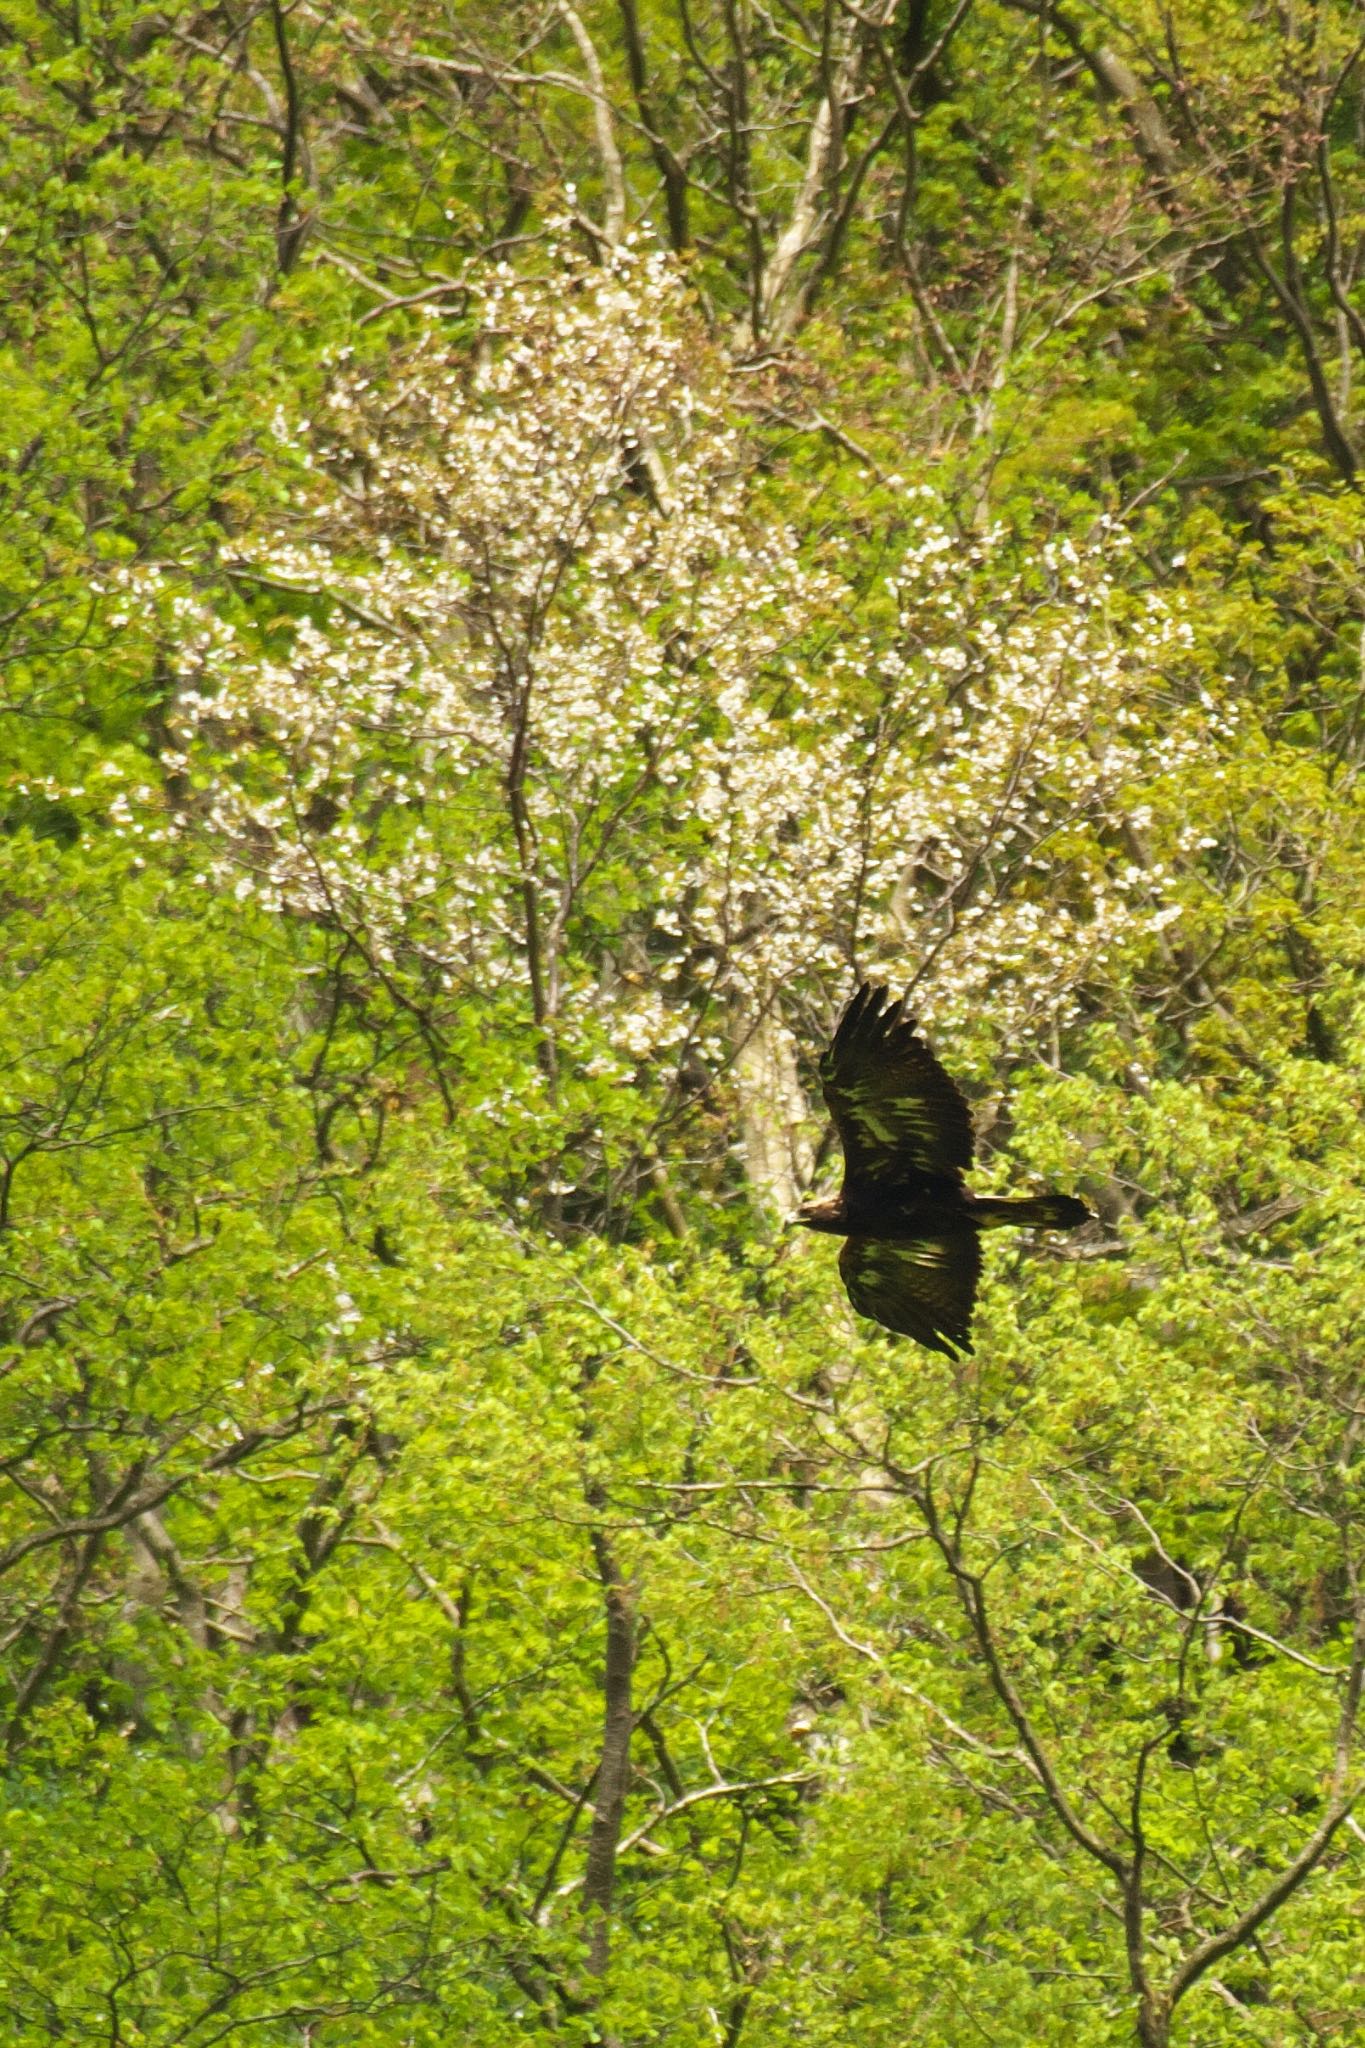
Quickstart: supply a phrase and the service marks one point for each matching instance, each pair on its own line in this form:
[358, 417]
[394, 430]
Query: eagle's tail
[1040, 1212]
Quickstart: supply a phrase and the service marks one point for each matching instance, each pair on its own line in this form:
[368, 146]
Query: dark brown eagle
[912, 1260]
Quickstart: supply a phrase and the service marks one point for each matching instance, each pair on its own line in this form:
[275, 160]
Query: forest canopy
[541, 545]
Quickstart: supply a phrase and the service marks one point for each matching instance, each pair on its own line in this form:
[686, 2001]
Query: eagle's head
[821, 1215]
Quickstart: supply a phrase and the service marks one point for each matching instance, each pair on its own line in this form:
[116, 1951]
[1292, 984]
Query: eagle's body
[912, 1260]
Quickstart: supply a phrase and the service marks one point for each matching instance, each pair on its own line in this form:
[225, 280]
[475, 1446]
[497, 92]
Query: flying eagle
[912, 1259]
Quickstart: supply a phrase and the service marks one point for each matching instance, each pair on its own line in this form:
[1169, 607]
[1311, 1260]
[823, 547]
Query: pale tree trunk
[773, 1114]
[781, 301]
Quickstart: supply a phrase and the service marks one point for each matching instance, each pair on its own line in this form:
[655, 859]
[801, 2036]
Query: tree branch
[613, 175]
[972, 1595]
[613, 1771]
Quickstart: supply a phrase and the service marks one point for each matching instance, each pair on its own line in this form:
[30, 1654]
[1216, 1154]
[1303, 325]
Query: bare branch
[290, 225]
[613, 175]
[972, 1594]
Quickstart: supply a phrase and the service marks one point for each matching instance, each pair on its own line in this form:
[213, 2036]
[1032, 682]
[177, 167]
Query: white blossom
[537, 642]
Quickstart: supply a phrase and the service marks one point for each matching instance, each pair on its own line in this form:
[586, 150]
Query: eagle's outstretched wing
[897, 1113]
[923, 1287]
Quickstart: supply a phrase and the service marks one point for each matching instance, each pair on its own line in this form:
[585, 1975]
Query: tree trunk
[613, 1771]
[773, 1112]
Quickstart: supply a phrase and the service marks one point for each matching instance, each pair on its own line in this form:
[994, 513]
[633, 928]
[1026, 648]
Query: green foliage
[475, 691]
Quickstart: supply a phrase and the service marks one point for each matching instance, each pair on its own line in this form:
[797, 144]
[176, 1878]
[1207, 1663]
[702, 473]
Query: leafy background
[539, 544]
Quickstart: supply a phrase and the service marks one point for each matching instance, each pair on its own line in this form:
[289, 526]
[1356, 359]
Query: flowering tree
[548, 703]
